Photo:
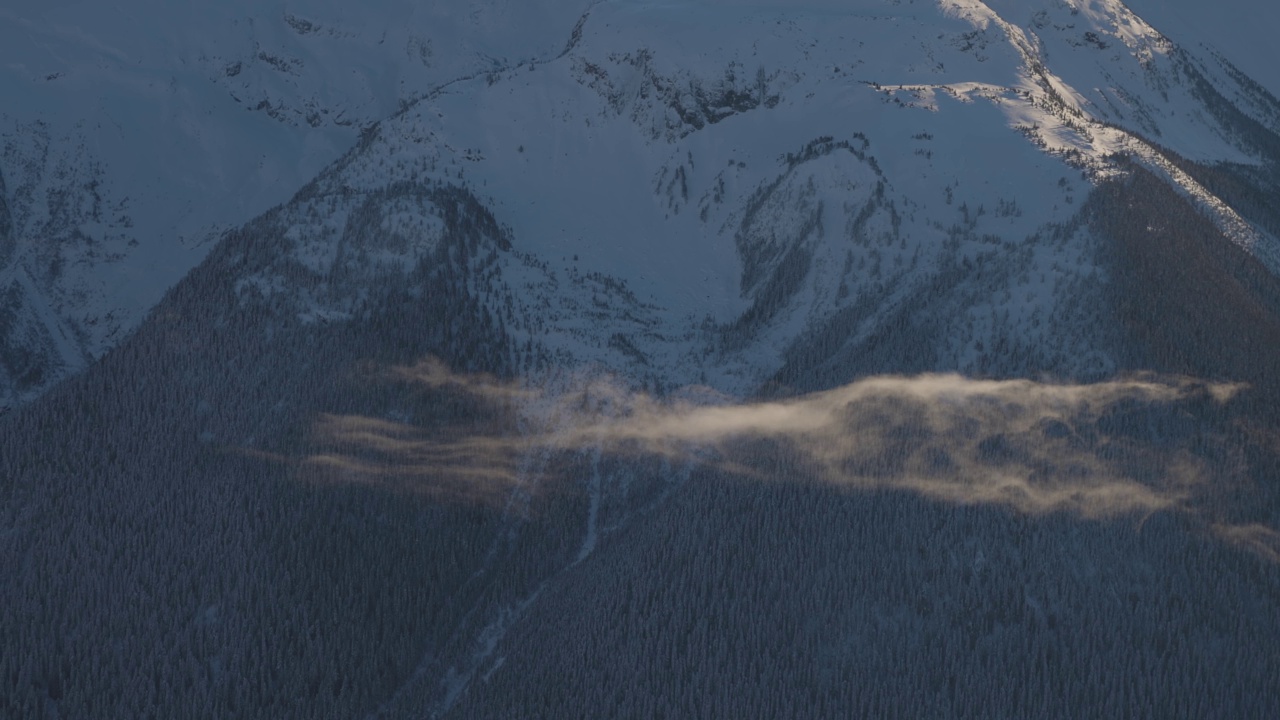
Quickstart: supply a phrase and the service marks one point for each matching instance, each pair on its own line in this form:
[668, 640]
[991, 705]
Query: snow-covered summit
[132, 136]
[761, 172]
[698, 192]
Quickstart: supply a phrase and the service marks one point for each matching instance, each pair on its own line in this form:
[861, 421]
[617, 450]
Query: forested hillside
[173, 554]
[239, 513]
[831, 359]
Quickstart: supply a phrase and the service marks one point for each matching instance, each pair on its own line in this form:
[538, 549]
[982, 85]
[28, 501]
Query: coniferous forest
[405, 446]
[212, 522]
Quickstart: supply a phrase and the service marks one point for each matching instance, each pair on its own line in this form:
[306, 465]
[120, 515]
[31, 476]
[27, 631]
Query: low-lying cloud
[1122, 447]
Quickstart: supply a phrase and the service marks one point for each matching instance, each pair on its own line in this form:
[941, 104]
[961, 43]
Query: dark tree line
[785, 598]
[179, 540]
[169, 552]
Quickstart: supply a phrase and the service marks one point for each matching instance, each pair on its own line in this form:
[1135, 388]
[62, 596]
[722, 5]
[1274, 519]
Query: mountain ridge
[739, 358]
[97, 243]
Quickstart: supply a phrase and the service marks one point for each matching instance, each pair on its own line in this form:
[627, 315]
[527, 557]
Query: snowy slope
[698, 192]
[1243, 32]
[132, 136]
[753, 174]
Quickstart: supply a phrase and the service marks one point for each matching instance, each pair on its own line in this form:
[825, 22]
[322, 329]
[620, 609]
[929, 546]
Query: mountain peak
[569, 358]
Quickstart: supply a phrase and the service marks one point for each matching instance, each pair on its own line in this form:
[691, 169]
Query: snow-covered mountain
[725, 358]
[698, 192]
[132, 137]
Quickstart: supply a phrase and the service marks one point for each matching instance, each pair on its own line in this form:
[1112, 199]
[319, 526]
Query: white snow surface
[1242, 31]
[675, 145]
[133, 134]
[674, 149]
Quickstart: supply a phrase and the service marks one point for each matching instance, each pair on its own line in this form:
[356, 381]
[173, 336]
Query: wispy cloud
[1260, 539]
[1127, 446]
[404, 458]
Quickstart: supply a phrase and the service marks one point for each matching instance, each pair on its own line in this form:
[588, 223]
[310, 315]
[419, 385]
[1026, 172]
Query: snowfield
[773, 165]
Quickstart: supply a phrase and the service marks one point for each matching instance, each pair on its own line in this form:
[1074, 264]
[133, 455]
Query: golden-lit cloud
[1126, 446]
[405, 458]
[1258, 538]
[1035, 447]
